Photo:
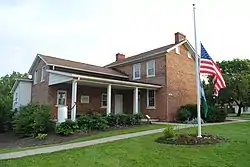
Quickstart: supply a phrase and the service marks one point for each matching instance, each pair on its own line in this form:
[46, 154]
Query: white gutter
[103, 73]
[89, 78]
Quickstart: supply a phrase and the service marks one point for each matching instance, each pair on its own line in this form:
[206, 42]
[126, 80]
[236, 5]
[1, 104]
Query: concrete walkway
[98, 141]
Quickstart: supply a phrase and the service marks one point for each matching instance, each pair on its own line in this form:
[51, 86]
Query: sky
[94, 31]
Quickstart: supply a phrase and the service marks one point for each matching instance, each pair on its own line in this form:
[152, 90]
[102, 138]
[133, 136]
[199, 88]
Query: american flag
[209, 67]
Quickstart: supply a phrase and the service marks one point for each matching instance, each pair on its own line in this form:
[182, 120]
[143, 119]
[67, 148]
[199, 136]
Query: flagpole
[197, 77]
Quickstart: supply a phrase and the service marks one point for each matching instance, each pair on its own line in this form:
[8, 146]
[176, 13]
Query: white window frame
[104, 94]
[177, 50]
[151, 61]
[138, 65]
[150, 107]
[189, 55]
[35, 77]
[43, 73]
[57, 97]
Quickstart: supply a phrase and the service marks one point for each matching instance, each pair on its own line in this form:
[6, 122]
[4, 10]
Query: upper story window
[43, 74]
[151, 68]
[150, 98]
[61, 97]
[35, 77]
[137, 71]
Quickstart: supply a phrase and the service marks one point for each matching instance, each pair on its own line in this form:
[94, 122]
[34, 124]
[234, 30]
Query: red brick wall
[160, 73]
[39, 92]
[180, 81]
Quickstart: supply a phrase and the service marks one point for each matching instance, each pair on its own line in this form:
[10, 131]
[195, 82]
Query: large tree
[6, 83]
[236, 74]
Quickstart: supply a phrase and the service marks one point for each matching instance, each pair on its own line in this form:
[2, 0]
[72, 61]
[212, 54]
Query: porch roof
[90, 79]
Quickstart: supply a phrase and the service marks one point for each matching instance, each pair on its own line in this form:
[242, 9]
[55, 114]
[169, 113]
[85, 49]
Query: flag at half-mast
[209, 67]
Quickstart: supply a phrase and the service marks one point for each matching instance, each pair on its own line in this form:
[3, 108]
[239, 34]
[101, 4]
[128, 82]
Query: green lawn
[143, 151]
[241, 116]
[94, 136]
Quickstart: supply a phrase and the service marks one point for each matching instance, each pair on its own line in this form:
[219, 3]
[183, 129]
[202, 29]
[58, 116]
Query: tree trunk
[239, 110]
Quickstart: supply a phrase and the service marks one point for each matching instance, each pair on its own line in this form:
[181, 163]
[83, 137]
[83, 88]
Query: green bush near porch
[98, 122]
[32, 119]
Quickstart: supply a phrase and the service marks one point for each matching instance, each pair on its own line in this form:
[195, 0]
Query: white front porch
[115, 93]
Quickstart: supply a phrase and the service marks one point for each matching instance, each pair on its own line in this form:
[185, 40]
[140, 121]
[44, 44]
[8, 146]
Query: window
[177, 50]
[151, 68]
[137, 71]
[43, 75]
[61, 97]
[35, 77]
[104, 100]
[150, 98]
[189, 55]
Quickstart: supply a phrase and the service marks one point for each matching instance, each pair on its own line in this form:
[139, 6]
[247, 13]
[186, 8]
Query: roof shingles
[78, 65]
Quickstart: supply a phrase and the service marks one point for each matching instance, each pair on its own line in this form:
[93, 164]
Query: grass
[241, 116]
[92, 137]
[143, 151]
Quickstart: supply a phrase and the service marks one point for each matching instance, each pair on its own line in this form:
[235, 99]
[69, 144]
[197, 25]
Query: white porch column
[73, 100]
[135, 106]
[109, 99]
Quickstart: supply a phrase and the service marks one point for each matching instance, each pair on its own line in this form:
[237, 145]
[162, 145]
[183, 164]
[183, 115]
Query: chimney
[179, 37]
[119, 57]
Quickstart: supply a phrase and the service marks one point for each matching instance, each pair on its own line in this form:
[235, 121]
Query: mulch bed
[191, 139]
[11, 140]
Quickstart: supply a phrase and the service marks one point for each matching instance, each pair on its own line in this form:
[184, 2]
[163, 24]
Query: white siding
[23, 92]
[57, 78]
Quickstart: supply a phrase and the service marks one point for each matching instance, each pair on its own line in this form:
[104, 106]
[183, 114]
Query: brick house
[156, 82]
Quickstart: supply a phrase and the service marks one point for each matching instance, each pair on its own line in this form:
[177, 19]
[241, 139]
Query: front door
[118, 104]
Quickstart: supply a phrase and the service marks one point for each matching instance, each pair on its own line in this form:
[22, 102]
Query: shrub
[99, 122]
[169, 132]
[41, 136]
[66, 128]
[124, 119]
[112, 119]
[92, 122]
[216, 115]
[5, 115]
[32, 119]
[138, 118]
[130, 120]
[183, 114]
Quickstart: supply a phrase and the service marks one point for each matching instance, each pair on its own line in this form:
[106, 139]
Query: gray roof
[142, 55]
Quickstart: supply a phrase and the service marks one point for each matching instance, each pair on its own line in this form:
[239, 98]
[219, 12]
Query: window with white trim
[150, 98]
[35, 77]
[104, 100]
[189, 54]
[151, 68]
[43, 73]
[61, 97]
[137, 71]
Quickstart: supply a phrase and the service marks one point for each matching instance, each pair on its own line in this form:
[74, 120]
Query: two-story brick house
[155, 83]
